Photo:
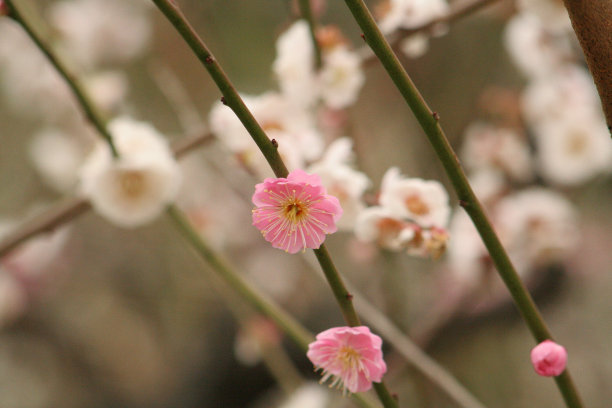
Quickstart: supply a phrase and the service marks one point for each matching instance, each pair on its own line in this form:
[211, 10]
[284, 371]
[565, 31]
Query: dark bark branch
[592, 22]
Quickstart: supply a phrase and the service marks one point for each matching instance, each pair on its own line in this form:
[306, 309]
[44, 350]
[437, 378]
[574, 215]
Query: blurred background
[134, 318]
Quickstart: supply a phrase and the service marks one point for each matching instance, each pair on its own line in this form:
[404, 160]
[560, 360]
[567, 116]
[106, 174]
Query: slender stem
[84, 102]
[230, 96]
[73, 207]
[306, 12]
[342, 295]
[429, 121]
[291, 327]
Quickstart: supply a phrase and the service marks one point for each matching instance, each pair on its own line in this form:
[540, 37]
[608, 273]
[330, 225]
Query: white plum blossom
[342, 181]
[294, 64]
[537, 225]
[534, 49]
[489, 147]
[135, 188]
[336, 84]
[412, 216]
[567, 90]
[423, 201]
[341, 77]
[291, 126]
[573, 149]
[97, 32]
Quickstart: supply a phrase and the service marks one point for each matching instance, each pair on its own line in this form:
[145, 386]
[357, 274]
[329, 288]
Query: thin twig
[73, 207]
[83, 100]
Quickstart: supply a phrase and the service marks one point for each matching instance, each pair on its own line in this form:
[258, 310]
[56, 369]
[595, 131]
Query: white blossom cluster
[412, 215]
[560, 103]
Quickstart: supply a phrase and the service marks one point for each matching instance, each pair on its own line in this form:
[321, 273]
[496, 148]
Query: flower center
[294, 211]
[415, 205]
[349, 357]
[132, 183]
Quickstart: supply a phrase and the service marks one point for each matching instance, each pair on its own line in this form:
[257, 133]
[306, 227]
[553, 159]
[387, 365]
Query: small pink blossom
[295, 213]
[352, 355]
[549, 358]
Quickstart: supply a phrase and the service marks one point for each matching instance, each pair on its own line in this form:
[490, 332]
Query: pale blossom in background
[342, 181]
[309, 395]
[549, 358]
[573, 149]
[537, 226]
[534, 49]
[13, 298]
[423, 201]
[98, 32]
[294, 65]
[108, 89]
[295, 213]
[567, 90]
[57, 157]
[135, 188]
[489, 147]
[34, 263]
[290, 125]
[341, 77]
[350, 357]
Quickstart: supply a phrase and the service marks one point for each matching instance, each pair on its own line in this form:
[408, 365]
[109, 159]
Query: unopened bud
[549, 358]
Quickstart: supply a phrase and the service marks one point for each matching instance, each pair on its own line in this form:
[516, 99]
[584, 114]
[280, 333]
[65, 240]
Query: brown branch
[592, 22]
[73, 207]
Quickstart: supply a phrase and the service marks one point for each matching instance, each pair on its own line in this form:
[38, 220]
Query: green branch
[429, 121]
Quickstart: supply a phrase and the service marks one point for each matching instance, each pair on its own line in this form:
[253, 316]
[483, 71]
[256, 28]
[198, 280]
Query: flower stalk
[83, 100]
[429, 121]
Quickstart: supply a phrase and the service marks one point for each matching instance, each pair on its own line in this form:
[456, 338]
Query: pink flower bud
[548, 358]
[3, 8]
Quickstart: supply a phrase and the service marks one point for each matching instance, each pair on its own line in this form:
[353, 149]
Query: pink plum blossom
[352, 355]
[295, 213]
[549, 358]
